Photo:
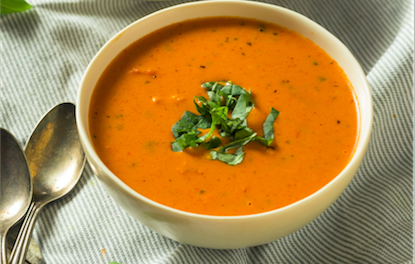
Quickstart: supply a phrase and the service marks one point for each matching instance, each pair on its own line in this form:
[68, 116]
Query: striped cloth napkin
[45, 50]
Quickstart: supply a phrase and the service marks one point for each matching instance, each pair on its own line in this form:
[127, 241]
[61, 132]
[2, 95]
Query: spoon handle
[22, 241]
[3, 249]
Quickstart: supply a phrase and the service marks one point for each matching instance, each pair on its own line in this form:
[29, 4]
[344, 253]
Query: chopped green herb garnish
[224, 98]
[231, 159]
[269, 128]
[214, 143]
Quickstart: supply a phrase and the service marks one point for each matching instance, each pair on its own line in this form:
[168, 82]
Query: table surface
[45, 50]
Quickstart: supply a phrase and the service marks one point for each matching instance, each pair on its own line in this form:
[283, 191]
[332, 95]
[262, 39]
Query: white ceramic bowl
[218, 231]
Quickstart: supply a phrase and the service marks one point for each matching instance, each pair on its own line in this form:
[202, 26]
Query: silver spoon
[15, 186]
[56, 161]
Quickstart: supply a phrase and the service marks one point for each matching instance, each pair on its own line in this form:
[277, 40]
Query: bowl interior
[265, 12]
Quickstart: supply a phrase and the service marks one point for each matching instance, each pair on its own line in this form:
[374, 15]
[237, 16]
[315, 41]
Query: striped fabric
[45, 51]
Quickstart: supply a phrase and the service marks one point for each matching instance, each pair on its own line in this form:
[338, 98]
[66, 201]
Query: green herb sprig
[224, 98]
[13, 6]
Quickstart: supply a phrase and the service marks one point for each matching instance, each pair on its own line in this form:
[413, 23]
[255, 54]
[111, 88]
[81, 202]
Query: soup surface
[147, 88]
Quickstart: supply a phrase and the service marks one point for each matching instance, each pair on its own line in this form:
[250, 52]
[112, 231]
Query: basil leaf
[234, 124]
[186, 140]
[268, 128]
[237, 143]
[212, 105]
[207, 135]
[233, 89]
[243, 106]
[219, 114]
[185, 124]
[231, 159]
[224, 134]
[13, 6]
[230, 101]
[212, 86]
[205, 122]
[213, 143]
[243, 133]
[262, 140]
[202, 109]
[201, 99]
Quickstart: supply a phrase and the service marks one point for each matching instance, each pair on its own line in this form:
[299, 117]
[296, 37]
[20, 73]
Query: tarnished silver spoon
[15, 186]
[56, 161]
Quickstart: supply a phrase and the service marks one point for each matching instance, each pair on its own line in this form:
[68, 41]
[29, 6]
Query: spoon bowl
[55, 155]
[56, 161]
[15, 186]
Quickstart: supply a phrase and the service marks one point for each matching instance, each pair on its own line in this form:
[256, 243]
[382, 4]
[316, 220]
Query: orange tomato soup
[147, 88]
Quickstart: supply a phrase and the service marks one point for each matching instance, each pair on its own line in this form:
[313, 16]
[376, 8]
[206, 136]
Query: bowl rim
[360, 145]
